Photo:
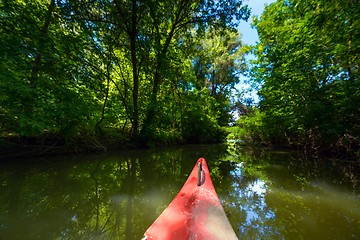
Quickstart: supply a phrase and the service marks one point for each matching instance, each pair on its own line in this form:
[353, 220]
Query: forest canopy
[145, 70]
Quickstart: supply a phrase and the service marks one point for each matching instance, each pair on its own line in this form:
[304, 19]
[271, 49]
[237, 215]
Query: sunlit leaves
[73, 67]
[305, 59]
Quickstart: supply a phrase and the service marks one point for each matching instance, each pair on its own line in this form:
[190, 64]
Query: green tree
[218, 63]
[169, 35]
[307, 62]
[74, 68]
[43, 72]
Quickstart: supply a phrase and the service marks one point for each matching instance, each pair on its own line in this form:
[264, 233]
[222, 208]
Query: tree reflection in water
[246, 201]
[118, 195]
[281, 196]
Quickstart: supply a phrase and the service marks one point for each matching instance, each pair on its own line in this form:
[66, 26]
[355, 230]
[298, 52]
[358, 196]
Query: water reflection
[113, 196]
[249, 203]
[254, 190]
[284, 197]
[118, 195]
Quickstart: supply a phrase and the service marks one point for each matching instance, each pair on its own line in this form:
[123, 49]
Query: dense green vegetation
[307, 64]
[150, 71]
[90, 72]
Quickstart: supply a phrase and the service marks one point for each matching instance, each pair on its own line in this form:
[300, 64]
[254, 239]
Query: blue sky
[250, 37]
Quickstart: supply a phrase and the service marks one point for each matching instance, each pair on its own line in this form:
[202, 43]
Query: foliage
[252, 126]
[45, 86]
[199, 119]
[217, 63]
[307, 63]
[74, 68]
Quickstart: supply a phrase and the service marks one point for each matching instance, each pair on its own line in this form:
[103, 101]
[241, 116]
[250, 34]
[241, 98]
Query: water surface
[277, 195]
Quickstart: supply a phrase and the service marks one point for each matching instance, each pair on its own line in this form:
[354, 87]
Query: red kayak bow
[195, 212]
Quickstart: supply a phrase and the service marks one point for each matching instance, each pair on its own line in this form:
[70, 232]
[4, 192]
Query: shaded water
[118, 195]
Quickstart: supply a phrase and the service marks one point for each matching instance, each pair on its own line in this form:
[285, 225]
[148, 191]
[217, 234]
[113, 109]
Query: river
[117, 195]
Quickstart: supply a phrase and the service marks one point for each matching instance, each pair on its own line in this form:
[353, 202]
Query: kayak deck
[195, 213]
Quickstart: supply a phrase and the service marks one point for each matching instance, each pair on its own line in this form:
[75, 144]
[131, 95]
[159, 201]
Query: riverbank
[256, 136]
[53, 144]
[12, 147]
[16, 147]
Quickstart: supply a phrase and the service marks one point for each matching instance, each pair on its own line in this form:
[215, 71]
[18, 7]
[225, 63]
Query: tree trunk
[152, 108]
[135, 95]
[31, 98]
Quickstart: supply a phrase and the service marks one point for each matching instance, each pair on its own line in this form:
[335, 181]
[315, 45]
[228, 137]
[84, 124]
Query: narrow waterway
[270, 195]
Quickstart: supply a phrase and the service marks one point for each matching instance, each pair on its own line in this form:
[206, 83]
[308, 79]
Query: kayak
[195, 213]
